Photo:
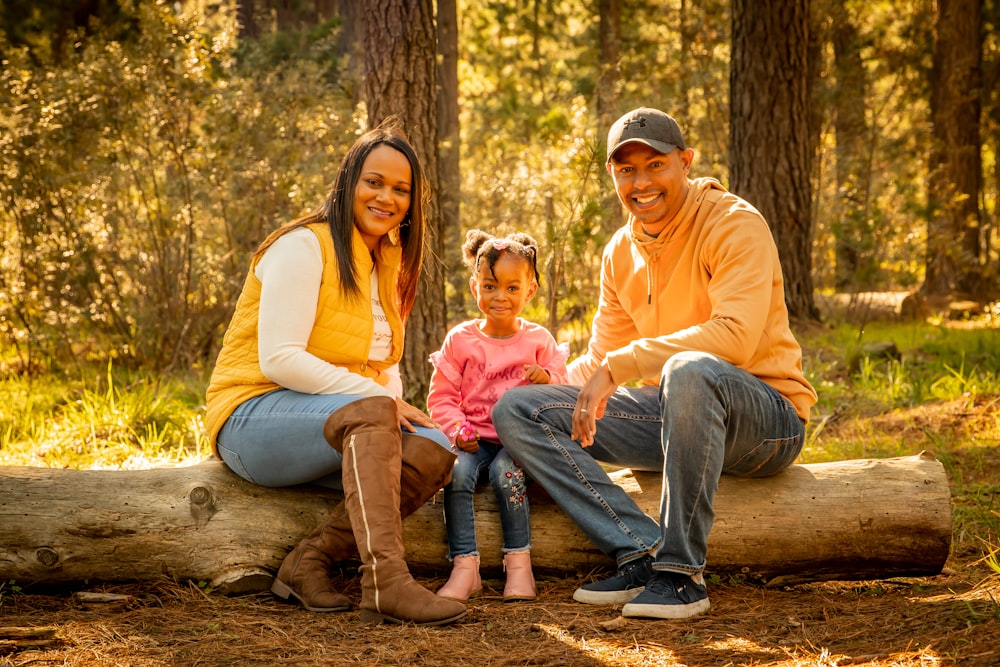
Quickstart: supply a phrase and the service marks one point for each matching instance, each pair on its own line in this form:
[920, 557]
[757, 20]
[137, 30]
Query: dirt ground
[949, 619]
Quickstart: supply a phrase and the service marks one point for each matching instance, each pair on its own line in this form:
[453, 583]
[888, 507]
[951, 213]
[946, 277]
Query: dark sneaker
[668, 595]
[621, 588]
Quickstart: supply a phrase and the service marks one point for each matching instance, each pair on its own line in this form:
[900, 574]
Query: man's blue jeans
[706, 418]
[508, 482]
[277, 439]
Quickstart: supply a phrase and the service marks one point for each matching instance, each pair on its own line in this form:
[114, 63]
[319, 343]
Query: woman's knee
[436, 435]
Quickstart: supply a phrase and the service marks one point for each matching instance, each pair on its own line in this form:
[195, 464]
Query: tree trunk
[770, 140]
[608, 86]
[955, 179]
[851, 232]
[849, 520]
[401, 80]
[246, 20]
[449, 153]
[350, 46]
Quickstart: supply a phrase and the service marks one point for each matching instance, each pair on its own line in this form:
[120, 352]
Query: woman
[307, 386]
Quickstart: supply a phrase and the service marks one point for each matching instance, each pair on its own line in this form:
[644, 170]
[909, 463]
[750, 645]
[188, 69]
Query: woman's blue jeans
[706, 418]
[277, 439]
[509, 485]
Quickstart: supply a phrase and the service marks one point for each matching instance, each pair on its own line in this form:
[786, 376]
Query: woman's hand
[409, 415]
[535, 374]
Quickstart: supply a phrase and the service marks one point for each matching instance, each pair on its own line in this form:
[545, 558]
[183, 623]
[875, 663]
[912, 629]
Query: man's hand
[590, 405]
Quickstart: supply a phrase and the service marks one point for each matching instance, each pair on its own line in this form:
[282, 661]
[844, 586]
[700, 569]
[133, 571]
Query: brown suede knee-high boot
[371, 444]
[427, 467]
[305, 572]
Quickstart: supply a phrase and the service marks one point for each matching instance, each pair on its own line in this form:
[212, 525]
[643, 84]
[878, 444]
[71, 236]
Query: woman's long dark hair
[338, 212]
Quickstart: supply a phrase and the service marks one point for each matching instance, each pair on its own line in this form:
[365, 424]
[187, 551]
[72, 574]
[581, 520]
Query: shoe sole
[285, 592]
[519, 598]
[375, 618]
[606, 597]
[665, 611]
[474, 594]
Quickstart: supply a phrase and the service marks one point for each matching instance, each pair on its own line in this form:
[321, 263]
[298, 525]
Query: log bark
[13, 639]
[847, 520]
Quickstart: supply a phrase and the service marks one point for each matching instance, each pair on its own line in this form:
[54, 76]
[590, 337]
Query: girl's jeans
[508, 483]
[706, 418]
[277, 439]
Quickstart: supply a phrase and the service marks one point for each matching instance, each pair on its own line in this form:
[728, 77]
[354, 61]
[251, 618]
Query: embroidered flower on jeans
[516, 488]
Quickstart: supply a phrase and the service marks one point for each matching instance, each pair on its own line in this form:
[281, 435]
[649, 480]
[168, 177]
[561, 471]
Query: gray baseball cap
[645, 126]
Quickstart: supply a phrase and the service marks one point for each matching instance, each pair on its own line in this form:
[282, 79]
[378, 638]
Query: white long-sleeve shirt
[290, 272]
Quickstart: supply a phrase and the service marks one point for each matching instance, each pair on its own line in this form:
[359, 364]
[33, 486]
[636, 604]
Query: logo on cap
[641, 122]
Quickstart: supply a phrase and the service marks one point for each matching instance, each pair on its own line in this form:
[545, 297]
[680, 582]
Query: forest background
[148, 147]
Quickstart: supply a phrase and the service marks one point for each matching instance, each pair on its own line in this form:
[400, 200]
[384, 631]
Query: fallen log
[13, 639]
[847, 520]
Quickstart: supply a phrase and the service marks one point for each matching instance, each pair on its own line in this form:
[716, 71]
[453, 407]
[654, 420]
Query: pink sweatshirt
[472, 371]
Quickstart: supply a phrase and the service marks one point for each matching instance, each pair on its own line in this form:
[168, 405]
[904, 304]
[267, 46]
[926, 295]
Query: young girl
[479, 361]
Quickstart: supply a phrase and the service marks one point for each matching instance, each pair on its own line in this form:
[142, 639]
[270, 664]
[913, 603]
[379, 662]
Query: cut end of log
[241, 582]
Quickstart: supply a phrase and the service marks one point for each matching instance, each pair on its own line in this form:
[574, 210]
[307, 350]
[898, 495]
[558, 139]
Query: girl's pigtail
[475, 239]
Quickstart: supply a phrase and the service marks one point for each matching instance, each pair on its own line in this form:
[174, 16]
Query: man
[692, 305]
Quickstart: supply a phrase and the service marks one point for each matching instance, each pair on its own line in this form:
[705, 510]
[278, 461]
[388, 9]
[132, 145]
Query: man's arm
[612, 328]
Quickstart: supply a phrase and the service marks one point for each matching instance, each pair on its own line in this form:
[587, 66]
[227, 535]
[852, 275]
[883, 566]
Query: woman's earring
[394, 235]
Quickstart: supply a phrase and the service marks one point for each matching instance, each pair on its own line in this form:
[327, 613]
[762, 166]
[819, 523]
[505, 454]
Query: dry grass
[952, 618]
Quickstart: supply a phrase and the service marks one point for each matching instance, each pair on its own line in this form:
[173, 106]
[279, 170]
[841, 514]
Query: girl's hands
[471, 446]
[466, 437]
[409, 415]
[535, 374]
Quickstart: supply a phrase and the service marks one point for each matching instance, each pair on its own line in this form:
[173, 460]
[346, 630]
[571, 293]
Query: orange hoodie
[711, 282]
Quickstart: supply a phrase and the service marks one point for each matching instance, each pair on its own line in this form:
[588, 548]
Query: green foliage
[118, 419]
[992, 560]
[937, 362]
[532, 156]
[8, 589]
[937, 396]
[139, 177]
[145, 154]
[891, 232]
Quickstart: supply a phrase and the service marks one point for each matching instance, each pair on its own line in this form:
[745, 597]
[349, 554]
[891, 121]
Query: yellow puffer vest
[342, 334]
